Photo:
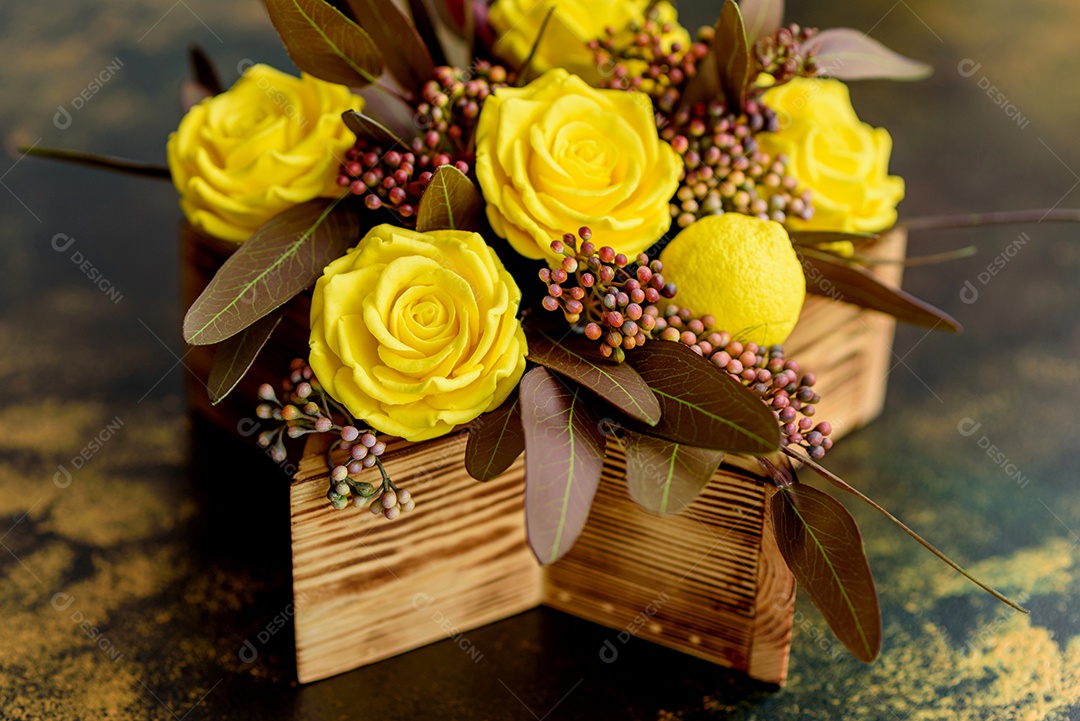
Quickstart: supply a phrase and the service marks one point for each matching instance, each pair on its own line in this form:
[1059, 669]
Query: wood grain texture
[689, 582]
[848, 348]
[710, 582]
[366, 588]
[774, 610]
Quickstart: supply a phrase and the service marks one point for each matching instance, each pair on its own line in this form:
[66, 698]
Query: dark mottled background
[172, 549]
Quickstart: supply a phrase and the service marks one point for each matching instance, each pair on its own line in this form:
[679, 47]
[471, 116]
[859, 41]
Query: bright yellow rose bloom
[268, 143]
[416, 333]
[557, 154]
[576, 22]
[842, 160]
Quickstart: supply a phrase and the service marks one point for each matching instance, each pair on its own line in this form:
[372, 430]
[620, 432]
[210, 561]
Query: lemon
[741, 270]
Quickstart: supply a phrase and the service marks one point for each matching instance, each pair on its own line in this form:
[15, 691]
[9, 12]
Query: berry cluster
[613, 297]
[450, 104]
[642, 58]
[724, 169]
[396, 178]
[393, 179]
[765, 371]
[311, 410]
[787, 53]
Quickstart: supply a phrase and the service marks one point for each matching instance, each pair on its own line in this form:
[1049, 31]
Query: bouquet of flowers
[601, 230]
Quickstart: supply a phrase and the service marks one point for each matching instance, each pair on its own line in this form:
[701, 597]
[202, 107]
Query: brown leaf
[822, 546]
[234, 356]
[812, 238]
[425, 27]
[849, 54]
[666, 477]
[404, 53]
[732, 56]
[496, 439]
[325, 43]
[564, 455]
[761, 17]
[282, 258]
[617, 383]
[848, 282]
[844, 486]
[203, 70]
[364, 126]
[700, 405]
[450, 202]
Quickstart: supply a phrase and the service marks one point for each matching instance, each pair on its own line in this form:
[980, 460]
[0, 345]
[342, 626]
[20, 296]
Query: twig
[1007, 217]
[844, 486]
[101, 162]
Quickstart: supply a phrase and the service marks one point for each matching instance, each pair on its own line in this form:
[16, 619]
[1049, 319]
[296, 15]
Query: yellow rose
[576, 22]
[416, 333]
[557, 154]
[842, 160]
[269, 142]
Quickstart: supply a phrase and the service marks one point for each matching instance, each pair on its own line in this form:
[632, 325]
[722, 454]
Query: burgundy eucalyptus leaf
[450, 202]
[404, 53]
[424, 22]
[365, 126]
[848, 282]
[777, 470]
[496, 439]
[822, 546]
[280, 260]
[617, 383]
[845, 486]
[732, 56]
[812, 238]
[761, 17]
[234, 356]
[666, 477]
[564, 455]
[325, 43]
[203, 70]
[701, 405]
[848, 54]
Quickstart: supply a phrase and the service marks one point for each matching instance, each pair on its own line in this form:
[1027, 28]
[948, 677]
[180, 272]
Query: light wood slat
[727, 595]
[700, 579]
[366, 588]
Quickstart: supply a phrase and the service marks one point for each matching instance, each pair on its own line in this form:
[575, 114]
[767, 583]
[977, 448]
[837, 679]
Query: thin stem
[844, 486]
[329, 459]
[918, 260]
[1007, 217]
[387, 483]
[101, 162]
[527, 65]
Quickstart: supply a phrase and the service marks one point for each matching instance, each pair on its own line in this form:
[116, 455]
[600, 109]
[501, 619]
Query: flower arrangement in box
[597, 236]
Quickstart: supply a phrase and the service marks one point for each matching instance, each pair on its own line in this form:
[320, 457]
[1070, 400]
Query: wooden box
[709, 582]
